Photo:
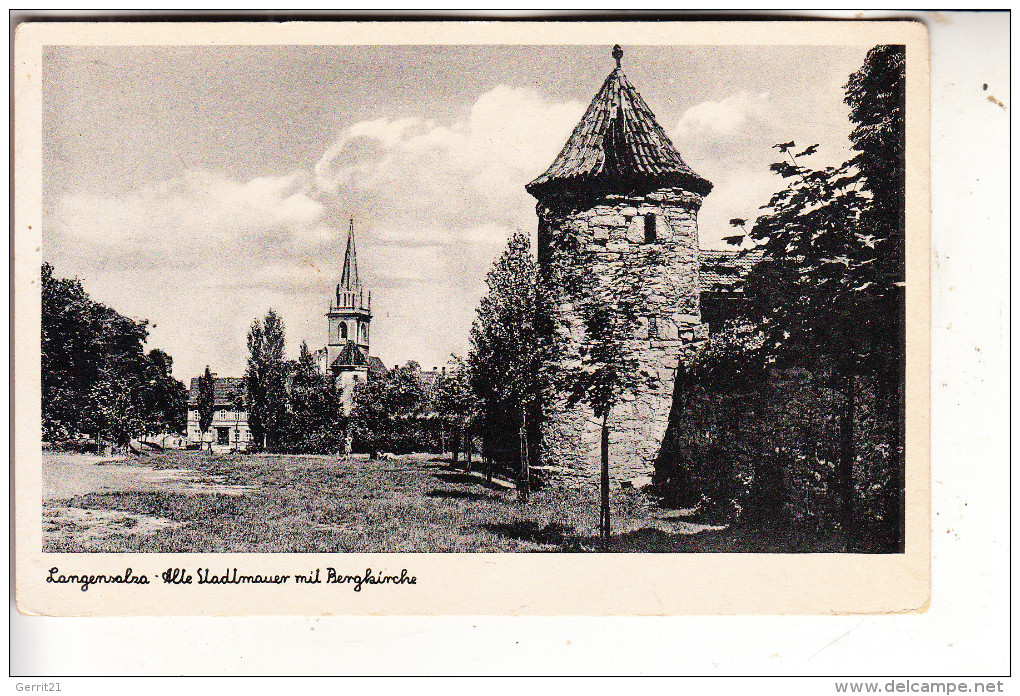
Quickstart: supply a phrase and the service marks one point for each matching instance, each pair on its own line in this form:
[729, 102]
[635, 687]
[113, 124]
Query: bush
[80, 446]
[753, 444]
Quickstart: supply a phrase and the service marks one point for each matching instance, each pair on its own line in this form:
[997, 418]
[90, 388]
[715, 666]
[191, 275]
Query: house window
[650, 236]
[222, 436]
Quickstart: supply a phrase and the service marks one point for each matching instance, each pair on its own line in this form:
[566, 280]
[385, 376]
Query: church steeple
[349, 278]
[349, 294]
[346, 355]
[349, 316]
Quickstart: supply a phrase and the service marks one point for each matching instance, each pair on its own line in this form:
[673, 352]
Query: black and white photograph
[503, 343]
[344, 299]
[473, 299]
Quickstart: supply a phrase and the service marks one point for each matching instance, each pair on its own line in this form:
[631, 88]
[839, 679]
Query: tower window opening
[650, 235]
[343, 331]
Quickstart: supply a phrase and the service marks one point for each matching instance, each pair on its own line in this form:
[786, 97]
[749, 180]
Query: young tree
[206, 403]
[237, 403]
[606, 368]
[508, 363]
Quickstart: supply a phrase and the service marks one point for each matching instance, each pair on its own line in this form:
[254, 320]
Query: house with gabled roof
[229, 430]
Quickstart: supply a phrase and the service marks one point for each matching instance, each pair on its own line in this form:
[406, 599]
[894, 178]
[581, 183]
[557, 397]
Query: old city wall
[668, 327]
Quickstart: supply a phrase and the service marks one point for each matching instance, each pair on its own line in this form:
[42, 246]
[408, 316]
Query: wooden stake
[605, 529]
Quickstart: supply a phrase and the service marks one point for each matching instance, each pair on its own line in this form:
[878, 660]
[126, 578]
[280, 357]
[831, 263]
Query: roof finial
[618, 54]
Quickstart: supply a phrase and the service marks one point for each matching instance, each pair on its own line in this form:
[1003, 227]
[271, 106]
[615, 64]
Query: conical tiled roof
[617, 145]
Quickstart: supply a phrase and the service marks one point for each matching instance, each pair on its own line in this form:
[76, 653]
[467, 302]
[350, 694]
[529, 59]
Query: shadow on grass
[415, 469]
[432, 464]
[651, 540]
[467, 479]
[739, 540]
[462, 495]
[552, 534]
[645, 540]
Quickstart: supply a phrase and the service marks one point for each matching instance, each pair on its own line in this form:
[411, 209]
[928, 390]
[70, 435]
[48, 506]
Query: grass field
[252, 503]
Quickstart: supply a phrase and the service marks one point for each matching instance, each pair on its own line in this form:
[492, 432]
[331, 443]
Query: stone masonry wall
[669, 325]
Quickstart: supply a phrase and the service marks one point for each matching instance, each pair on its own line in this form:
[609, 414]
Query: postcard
[432, 318]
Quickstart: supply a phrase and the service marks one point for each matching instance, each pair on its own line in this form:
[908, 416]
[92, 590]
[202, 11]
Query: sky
[196, 187]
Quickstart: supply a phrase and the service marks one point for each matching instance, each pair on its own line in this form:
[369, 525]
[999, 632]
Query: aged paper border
[456, 584]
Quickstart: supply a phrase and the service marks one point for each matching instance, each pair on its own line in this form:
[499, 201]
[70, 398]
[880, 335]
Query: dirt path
[68, 475]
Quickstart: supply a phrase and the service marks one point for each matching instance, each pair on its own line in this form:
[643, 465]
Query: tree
[455, 404]
[876, 95]
[110, 409]
[265, 380]
[164, 400]
[606, 367]
[829, 294]
[206, 403]
[508, 363]
[254, 385]
[92, 365]
[274, 343]
[388, 411]
[237, 403]
[308, 372]
[315, 421]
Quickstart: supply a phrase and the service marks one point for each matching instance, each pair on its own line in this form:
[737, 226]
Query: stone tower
[350, 314]
[620, 188]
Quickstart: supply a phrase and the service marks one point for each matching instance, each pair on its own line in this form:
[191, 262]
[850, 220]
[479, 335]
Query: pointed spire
[349, 280]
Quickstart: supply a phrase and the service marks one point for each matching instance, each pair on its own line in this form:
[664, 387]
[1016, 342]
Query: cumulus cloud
[730, 140]
[738, 115]
[727, 139]
[190, 216]
[459, 176]
[434, 204]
